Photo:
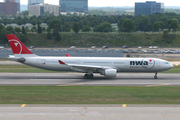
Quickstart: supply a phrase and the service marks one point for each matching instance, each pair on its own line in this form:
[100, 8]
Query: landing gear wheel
[155, 77]
[91, 76]
[86, 76]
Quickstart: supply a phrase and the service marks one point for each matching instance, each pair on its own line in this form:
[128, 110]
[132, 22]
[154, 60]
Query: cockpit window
[166, 62]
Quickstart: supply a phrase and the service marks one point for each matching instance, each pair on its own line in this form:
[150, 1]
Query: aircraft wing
[88, 66]
[85, 67]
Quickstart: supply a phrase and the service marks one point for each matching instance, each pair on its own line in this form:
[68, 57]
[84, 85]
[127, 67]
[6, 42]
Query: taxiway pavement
[83, 112]
[9, 63]
[76, 79]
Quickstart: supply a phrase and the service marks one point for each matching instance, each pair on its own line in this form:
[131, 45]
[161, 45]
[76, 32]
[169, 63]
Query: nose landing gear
[87, 76]
[155, 77]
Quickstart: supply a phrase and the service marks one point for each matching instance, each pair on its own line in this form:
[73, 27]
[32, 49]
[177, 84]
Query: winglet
[61, 62]
[68, 55]
[17, 46]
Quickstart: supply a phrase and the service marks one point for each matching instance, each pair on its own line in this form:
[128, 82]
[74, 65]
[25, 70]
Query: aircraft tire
[91, 76]
[86, 76]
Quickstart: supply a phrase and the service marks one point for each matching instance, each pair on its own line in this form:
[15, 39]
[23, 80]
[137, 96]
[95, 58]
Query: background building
[18, 5]
[38, 10]
[52, 9]
[9, 7]
[150, 7]
[33, 2]
[73, 6]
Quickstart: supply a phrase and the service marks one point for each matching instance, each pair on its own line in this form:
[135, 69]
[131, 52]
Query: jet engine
[21, 60]
[109, 73]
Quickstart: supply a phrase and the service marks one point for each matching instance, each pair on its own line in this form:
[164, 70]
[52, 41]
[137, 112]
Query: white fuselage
[120, 64]
[89, 65]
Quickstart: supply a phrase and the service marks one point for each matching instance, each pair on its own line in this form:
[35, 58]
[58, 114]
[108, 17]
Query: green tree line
[100, 23]
[141, 23]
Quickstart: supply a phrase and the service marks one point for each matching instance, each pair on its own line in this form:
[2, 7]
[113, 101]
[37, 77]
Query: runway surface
[83, 112]
[76, 79]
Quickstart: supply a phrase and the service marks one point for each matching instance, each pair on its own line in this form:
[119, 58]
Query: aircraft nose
[171, 66]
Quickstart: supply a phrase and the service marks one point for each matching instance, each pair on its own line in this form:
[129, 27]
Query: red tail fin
[17, 46]
[68, 55]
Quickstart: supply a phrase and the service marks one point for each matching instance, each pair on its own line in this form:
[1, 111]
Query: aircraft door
[78, 62]
[158, 64]
[39, 61]
[127, 63]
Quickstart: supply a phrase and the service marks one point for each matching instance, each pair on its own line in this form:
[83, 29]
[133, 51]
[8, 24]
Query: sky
[103, 3]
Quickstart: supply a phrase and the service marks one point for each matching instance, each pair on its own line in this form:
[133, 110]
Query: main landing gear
[87, 76]
[155, 77]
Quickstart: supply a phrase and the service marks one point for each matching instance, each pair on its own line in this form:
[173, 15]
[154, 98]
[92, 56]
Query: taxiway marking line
[23, 105]
[84, 111]
[123, 105]
[157, 85]
[72, 84]
[47, 75]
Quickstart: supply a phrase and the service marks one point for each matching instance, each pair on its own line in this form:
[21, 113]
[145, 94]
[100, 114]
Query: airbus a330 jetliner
[108, 67]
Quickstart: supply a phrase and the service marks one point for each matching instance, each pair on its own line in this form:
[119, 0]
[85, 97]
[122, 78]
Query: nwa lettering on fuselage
[139, 63]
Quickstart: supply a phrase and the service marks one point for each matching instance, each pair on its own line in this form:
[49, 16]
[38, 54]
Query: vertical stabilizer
[18, 48]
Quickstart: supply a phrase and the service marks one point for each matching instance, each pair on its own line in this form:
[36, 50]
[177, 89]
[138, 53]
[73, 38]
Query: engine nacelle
[110, 72]
[21, 60]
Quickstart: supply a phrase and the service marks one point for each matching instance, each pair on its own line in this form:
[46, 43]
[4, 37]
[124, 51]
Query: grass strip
[88, 95]
[28, 69]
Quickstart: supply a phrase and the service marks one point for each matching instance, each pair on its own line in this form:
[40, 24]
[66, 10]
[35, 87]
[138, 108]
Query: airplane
[68, 55]
[107, 66]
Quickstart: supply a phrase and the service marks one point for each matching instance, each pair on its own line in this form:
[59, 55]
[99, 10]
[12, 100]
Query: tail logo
[17, 46]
